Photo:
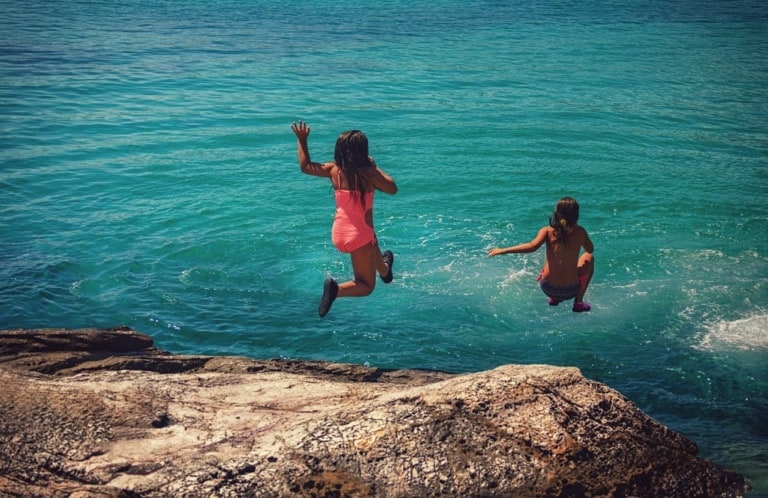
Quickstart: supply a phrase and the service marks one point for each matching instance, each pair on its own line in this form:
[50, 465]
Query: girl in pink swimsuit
[355, 177]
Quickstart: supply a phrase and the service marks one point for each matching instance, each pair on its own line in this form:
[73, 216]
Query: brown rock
[102, 413]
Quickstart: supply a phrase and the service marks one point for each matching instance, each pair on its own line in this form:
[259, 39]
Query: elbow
[388, 189]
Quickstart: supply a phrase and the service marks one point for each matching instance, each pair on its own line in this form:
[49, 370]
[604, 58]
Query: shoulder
[583, 237]
[546, 233]
[334, 172]
[327, 168]
[580, 231]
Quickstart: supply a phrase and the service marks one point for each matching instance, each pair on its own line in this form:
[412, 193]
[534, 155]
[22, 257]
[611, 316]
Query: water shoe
[389, 258]
[582, 306]
[330, 291]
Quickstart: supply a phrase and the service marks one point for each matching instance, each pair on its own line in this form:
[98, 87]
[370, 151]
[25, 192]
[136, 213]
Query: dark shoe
[582, 306]
[389, 258]
[330, 291]
[554, 302]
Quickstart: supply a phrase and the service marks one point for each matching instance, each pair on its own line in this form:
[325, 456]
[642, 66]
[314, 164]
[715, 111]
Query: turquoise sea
[148, 178]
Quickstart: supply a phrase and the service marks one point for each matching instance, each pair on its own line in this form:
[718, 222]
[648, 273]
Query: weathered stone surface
[102, 413]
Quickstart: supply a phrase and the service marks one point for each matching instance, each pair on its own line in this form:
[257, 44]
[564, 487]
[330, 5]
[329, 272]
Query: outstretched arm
[521, 248]
[301, 130]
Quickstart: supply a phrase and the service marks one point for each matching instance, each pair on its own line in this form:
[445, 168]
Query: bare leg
[381, 266]
[586, 270]
[364, 264]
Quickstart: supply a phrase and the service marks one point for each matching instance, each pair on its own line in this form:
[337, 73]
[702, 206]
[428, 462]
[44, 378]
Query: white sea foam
[515, 276]
[746, 334]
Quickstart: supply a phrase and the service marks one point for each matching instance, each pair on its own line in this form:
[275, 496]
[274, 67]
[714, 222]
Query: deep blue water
[149, 178]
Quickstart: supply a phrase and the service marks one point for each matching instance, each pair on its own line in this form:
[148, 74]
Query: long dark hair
[351, 156]
[564, 218]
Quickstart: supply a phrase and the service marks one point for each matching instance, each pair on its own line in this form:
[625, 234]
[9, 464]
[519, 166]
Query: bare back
[561, 265]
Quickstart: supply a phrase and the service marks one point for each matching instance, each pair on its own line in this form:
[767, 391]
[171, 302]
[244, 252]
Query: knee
[366, 288]
[370, 287]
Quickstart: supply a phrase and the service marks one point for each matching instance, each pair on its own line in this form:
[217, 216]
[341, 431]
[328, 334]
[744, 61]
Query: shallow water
[149, 178]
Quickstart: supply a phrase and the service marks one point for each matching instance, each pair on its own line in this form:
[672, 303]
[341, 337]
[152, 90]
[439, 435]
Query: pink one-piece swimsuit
[350, 230]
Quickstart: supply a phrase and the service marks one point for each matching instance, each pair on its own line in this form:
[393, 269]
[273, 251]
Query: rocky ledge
[103, 413]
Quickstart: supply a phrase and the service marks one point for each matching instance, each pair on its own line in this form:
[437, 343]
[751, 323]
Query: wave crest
[746, 334]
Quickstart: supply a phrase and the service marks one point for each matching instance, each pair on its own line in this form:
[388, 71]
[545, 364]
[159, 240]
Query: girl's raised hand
[301, 130]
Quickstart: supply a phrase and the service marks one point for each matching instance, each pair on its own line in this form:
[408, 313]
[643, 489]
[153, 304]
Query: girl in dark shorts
[566, 274]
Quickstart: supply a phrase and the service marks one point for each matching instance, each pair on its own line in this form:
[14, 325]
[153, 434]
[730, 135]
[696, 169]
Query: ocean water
[148, 178]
